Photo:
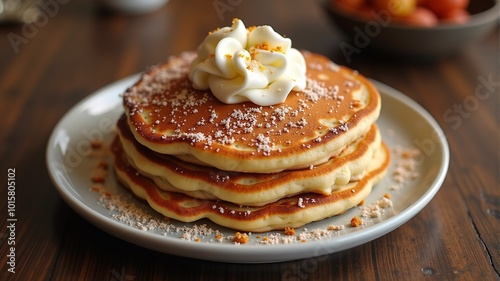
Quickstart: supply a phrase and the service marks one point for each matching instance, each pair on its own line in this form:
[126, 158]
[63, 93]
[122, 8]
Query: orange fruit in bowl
[396, 7]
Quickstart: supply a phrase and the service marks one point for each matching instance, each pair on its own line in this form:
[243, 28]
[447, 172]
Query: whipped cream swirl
[255, 64]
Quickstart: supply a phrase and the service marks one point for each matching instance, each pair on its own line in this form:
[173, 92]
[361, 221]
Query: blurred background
[93, 37]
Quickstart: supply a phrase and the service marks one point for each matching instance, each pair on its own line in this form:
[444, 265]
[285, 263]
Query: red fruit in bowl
[457, 16]
[441, 7]
[421, 17]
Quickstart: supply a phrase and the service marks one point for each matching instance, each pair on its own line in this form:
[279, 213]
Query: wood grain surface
[80, 47]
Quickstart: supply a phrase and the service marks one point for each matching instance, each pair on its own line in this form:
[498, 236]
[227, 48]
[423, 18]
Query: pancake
[167, 115]
[293, 211]
[249, 189]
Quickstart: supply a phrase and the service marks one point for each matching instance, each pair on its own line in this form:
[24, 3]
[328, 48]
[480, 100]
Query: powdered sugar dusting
[123, 209]
[376, 209]
[405, 168]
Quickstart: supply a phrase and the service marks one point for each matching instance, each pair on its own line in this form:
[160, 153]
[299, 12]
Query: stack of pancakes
[249, 167]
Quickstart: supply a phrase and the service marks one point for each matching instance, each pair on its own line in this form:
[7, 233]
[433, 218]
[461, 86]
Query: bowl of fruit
[412, 28]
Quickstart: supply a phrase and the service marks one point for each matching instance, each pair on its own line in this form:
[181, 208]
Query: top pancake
[168, 116]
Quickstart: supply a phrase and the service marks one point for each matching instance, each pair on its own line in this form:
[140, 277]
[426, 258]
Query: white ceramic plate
[403, 123]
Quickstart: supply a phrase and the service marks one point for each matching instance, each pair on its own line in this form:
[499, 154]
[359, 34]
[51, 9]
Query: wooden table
[47, 68]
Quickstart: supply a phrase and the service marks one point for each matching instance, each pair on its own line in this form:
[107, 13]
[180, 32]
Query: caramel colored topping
[289, 231]
[241, 238]
[355, 222]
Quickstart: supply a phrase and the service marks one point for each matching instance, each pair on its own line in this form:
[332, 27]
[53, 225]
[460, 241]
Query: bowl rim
[490, 15]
